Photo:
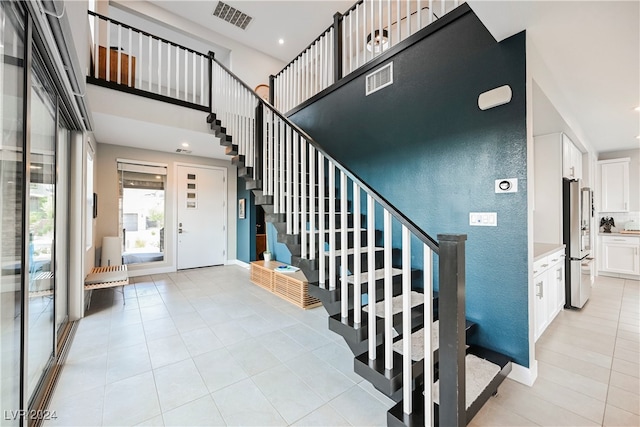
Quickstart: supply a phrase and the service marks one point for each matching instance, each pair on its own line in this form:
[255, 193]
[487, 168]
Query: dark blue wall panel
[246, 228]
[426, 147]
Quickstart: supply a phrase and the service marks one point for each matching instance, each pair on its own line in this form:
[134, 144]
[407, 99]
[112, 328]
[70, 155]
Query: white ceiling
[590, 48]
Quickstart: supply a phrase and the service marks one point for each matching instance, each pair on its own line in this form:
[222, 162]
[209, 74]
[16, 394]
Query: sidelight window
[142, 211]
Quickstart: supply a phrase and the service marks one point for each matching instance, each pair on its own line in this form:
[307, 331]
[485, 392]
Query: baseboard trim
[239, 263]
[526, 376]
[148, 271]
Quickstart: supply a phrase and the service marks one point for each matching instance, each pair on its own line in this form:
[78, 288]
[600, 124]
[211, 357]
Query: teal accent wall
[246, 228]
[280, 251]
[426, 147]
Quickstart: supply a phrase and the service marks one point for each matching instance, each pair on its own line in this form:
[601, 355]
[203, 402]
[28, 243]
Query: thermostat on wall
[507, 185]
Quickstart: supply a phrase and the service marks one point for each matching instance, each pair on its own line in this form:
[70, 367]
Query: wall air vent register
[379, 79]
[232, 15]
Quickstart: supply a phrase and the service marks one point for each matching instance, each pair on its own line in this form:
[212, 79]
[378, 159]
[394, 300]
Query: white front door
[202, 235]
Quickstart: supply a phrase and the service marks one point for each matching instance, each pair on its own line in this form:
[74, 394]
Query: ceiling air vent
[380, 78]
[183, 151]
[232, 15]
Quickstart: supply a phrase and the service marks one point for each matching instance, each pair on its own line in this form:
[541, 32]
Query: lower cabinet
[620, 254]
[548, 282]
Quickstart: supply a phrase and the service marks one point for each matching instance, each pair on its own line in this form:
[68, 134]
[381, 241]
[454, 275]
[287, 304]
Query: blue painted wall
[246, 228]
[425, 146]
[279, 251]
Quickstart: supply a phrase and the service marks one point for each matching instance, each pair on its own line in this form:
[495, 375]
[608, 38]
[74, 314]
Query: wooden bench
[110, 276]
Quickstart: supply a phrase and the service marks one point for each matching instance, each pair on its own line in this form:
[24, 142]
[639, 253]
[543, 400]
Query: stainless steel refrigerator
[577, 212]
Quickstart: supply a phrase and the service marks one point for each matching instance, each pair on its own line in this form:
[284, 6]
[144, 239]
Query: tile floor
[588, 367]
[207, 347]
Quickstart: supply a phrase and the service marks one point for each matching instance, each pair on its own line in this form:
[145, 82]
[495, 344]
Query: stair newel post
[211, 57]
[272, 89]
[337, 47]
[452, 410]
[258, 169]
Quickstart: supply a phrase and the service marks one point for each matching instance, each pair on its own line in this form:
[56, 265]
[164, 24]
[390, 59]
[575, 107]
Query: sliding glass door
[42, 215]
[12, 62]
[34, 203]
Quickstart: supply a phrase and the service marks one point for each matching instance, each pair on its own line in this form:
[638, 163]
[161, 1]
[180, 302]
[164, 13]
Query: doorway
[202, 219]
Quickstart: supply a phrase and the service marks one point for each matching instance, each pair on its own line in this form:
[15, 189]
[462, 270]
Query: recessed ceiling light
[637, 108]
[185, 144]
[280, 41]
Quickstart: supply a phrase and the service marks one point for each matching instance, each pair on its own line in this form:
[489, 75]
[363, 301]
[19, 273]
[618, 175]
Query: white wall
[107, 189]
[251, 65]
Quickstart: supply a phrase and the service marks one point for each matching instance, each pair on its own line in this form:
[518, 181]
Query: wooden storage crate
[292, 287]
[262, 274]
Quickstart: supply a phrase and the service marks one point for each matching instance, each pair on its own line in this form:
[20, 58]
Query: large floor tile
[219, 369]
[165, 351]
[292, 398]
[360, 408]
[243, 404]
[322, 417]
[131, 401]
[200, 412]
[127, 362]
[253, 356]
[179, 383]
[200, 341]
[82, 409]
[326, 381]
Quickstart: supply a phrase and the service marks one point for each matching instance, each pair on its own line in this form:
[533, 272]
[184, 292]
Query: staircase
[369, 265]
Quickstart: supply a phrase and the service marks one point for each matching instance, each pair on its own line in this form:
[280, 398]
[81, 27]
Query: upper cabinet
[614, 185]
[555, 157]
[571, 159]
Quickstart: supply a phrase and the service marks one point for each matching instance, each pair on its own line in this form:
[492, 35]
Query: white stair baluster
[371, 267]
[303, 199]
[312, 204]
[276, 165]
[407, 360]
[344, 286]
[428, 320]
[332, 225]
[119, 62]
[265, 149]
[388, 292]
[296, 183]
[282, 166]
[321, 221]
[129, 62]
[357, 260]
[289, 177]
[108, 55]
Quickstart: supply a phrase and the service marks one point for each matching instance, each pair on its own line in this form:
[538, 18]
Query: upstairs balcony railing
[364, 32]
[136, 61]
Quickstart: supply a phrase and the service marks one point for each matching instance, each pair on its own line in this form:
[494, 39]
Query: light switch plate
[507, 185]
[483, 219]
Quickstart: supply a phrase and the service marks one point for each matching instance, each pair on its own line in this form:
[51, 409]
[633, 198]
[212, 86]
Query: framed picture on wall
[241, 212]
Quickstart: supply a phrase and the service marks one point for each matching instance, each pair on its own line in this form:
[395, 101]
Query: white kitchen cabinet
[571, 159]
[541, 287]
[549, 293]
[614, 185]
[620, 254]
[554, 157]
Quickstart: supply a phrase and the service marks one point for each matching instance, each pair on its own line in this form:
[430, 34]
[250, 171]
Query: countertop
[613, 233]
[543, 249]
